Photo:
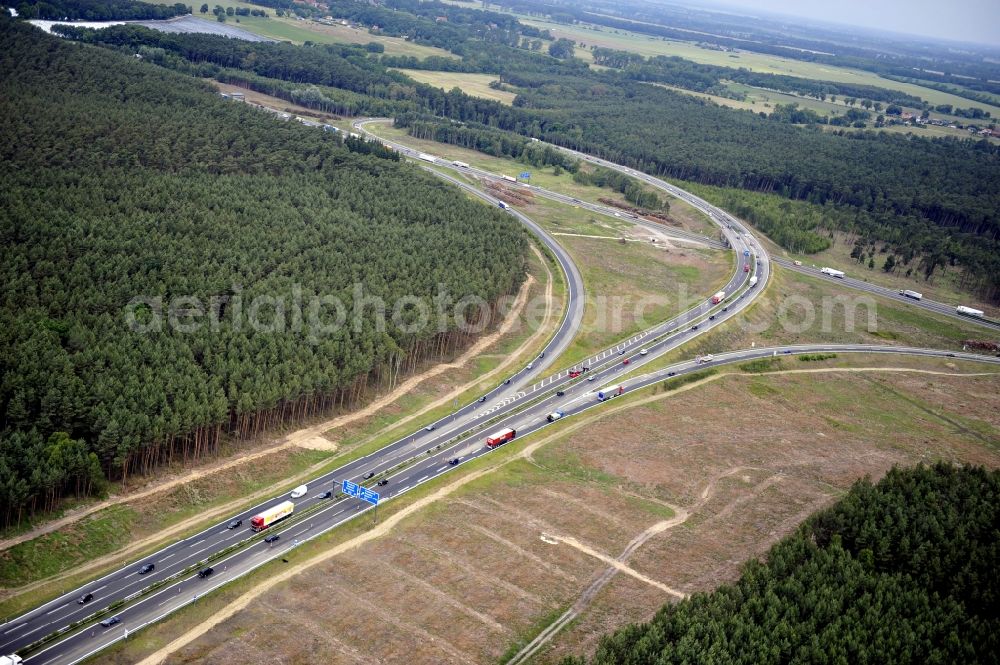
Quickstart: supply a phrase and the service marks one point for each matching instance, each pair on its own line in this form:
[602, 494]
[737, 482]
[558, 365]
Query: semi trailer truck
[968, 311]
[608, 393]
[500, 437]
[274, 514]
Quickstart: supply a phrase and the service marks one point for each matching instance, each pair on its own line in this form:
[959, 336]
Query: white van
[299, 491]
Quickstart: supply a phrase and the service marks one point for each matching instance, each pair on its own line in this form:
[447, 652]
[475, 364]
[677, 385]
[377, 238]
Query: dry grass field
[711, 475]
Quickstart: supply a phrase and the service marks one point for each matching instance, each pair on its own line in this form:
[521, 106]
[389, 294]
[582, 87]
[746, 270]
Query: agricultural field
[760, 100]
[299, 31]
[477, 85]
[655, 486]
[648, 45]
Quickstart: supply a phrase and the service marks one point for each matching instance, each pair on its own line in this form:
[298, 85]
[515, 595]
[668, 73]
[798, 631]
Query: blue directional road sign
[350, 489]
[525, 175]
[369, 496]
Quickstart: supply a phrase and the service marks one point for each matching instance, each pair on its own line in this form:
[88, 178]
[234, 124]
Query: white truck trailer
[968, 311]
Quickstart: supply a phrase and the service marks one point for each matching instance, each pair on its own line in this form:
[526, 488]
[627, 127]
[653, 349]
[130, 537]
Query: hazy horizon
[963, 20]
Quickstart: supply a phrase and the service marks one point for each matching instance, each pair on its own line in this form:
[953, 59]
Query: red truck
[271, 515]
[573, 373]
[500, 438]
[718, 297]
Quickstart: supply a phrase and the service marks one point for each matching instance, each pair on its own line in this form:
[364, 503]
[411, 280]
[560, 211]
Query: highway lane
[362, 126]
[892, 294]
[577, 398]
[578, 395]
[736, 235]
[721, 216]
[181, 556]
[603, 366]
[718, 215]
[610, 211]
[432, 460]
[174, 558]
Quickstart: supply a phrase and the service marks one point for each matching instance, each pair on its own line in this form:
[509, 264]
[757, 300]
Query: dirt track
[766, 479]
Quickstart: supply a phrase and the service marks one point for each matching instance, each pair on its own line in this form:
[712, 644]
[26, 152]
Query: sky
[962, 20]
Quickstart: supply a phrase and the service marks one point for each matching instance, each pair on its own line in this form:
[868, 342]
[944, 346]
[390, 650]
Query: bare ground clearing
[468, 574]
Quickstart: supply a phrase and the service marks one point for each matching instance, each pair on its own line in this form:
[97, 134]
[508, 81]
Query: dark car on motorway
[560, 393]
[671, 373]
[148, 568]
[205, 572]
[110, 621]
[369, 475]
[235, 524]
[325, 495]
[382, 483]
[453, 461]
[85, 598]
[712, 318]
[483, 398]
[273, 537]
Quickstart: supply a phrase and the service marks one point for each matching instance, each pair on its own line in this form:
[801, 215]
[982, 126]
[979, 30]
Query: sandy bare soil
[582, 520]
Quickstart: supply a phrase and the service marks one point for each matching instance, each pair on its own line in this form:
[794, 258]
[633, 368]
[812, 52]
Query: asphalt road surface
[577, 397]
[508, 396]
[892, 294]
[416, 458]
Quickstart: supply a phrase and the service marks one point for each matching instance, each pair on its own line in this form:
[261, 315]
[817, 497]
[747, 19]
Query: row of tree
[632, 189]
[887, 57]
[903, 571]
[178, 267]
[677, 71]
[485, 139]
[98, 10]
[435, 23]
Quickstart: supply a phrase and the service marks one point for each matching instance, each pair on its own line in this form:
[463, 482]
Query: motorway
[578, 396]
[182, 558]
[892, 294]
[610, 211]
[725, 218]
[413, 459]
